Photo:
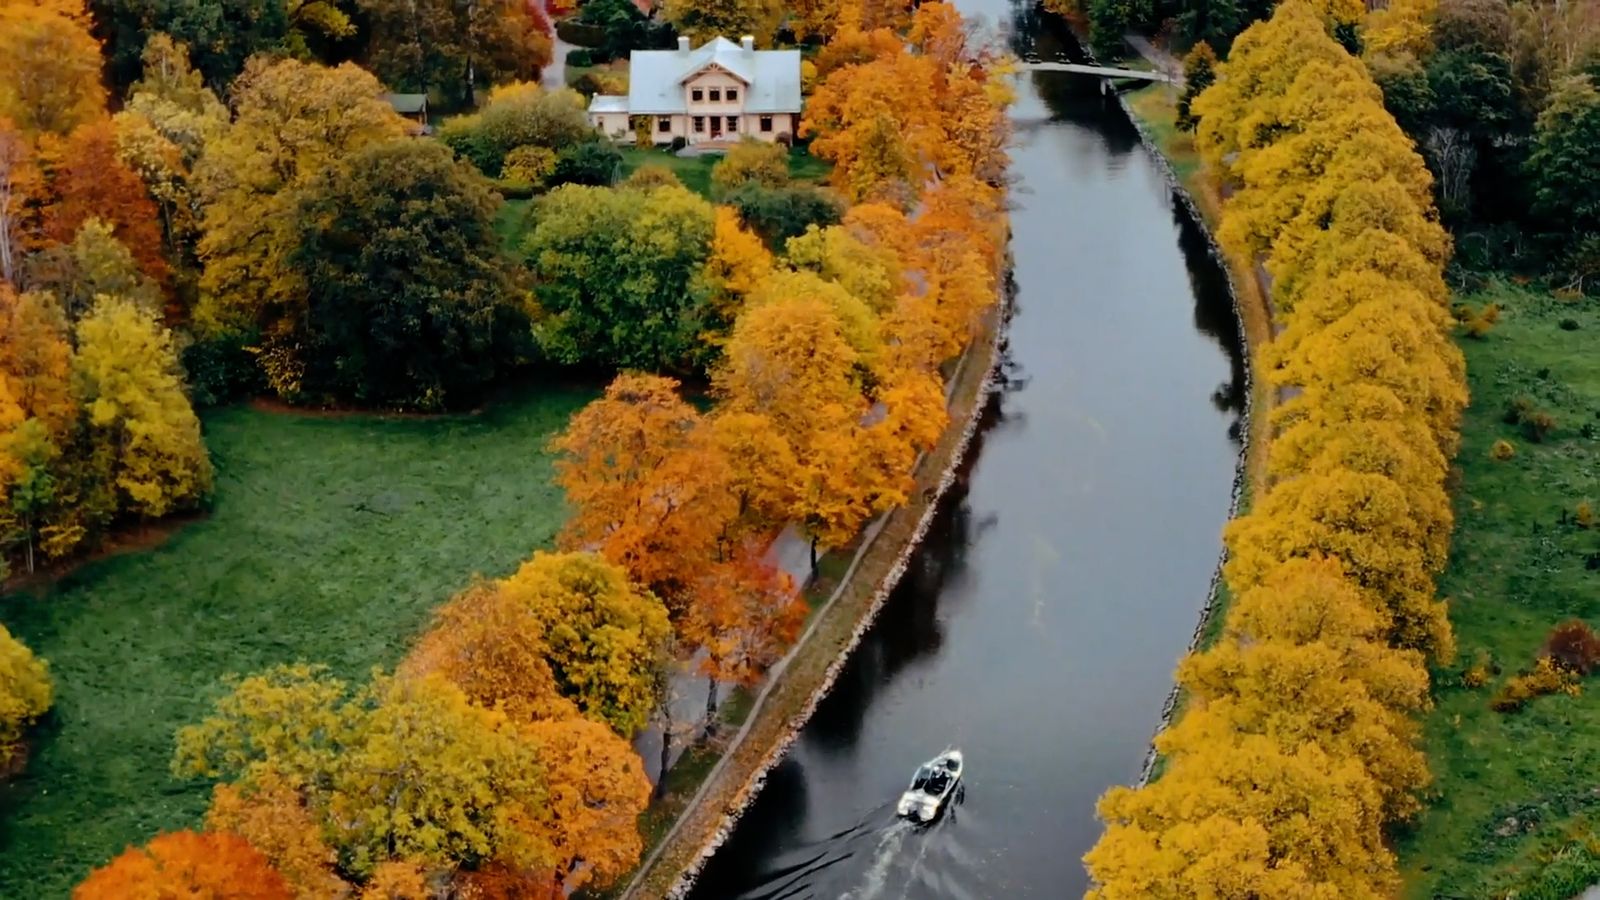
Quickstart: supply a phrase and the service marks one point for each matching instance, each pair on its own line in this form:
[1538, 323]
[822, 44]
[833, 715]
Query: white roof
[608, 103]
[772, 77]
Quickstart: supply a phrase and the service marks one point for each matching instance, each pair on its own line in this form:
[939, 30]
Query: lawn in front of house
[331, 541]
[1516, 796]
[695, 171]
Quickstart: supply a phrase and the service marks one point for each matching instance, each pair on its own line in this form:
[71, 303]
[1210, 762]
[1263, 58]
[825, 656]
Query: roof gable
[656, 77]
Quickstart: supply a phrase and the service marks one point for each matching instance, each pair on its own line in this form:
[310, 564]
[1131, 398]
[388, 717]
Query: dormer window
[697, 95]
[716, 95]
[733, 94]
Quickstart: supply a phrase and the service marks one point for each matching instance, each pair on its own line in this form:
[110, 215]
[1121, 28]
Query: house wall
[612, 125]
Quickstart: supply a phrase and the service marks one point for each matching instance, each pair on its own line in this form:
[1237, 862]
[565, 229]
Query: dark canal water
[1039, 628]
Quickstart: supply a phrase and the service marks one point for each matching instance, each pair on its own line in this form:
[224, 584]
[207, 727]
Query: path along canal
[1039, 627]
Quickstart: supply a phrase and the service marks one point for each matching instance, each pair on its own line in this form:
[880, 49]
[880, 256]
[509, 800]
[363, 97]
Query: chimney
[683, 44]
[748, 43]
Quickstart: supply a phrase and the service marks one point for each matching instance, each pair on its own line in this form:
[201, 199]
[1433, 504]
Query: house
[412, 106]
[720, 91]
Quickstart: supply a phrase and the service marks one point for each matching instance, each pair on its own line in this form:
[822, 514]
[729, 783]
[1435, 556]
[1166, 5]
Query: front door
[716, 127]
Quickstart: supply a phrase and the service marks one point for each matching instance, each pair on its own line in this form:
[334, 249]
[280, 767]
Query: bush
[1573, 646]
[750, 161]
[652, 175]
[1584, 514]
[1546, 678]
[221, 369]
[678, 143]
[1502, 451]
[580, 33]
[517, 115]
[777, 214]
[1537, 425]
[1569, 325]
[580, 58]
[1478, 674]
[527, 168]
[25, 691]
[1517, 409]
[593, 163]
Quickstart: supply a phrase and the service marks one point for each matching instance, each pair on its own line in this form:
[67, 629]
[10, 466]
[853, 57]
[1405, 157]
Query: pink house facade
[721, 91]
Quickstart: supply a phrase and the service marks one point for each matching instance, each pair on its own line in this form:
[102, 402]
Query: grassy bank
[1516, 799]
[332, 539]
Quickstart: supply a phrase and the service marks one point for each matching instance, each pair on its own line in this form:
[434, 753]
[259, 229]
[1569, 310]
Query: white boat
[932, 787]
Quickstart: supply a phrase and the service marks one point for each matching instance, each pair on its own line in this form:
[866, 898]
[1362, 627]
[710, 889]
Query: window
[663, 124]
[733, 94]
[733, 123]
[697, 94]
[699, 124]
[716, 96]
[766, 124]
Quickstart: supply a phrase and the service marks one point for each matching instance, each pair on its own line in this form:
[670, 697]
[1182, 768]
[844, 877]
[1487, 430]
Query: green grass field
[331, 540]
[1516, 799]
[695, 171]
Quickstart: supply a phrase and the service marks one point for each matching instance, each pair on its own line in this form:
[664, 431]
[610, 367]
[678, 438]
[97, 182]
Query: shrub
[581, 33]
[528, 167]
[750, 161]
[678, 143]
[517, 115]
[1546, 678]
[1517, 409]
[1478, 674]
[25, 691]
[1537, 425]
[1584, 514]
[1502, 451]
[778, 214]
[580, 58]
[1569, 325]
[652, 175]
[593, 163]
[1573, 646]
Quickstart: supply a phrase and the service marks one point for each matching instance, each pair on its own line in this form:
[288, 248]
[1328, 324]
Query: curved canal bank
[1039, 624]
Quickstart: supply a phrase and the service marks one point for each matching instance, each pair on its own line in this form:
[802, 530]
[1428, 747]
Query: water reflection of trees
[779, 810]
[1213, 310]
[908, 627]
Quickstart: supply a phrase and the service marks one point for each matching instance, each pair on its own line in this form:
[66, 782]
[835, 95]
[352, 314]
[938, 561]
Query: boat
[932, 787]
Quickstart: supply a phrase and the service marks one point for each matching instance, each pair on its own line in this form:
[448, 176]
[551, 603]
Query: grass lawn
[1516, 803]
[331, 541]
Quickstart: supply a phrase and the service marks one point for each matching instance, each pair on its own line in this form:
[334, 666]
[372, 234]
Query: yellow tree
[36, 359]
[20, 189]
[878, 123]
[597, 790]
[703, 20]
[738, 263]
[606, 639]
[126, 373]
[871, 274]
[271, 814]
[761, 475]
[293, 119]
[857, 322]
[750, 161]
[25, 688]
[645, 484]
[49, 66]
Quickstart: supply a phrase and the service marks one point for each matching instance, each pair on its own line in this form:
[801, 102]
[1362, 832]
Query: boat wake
[883, 857]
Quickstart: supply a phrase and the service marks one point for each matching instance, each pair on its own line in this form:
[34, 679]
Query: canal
[1039, 627]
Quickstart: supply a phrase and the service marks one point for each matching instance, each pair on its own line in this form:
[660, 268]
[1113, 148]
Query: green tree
[779, 214]
[408, 301]
[95, 263]
[593, 163]
[222, 33]
[617, 273]
[1565, 164]
[1199, 71]
[126, 374]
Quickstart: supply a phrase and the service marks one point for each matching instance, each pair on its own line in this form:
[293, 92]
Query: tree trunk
[711, 707]
[666, 758]
[813, 556]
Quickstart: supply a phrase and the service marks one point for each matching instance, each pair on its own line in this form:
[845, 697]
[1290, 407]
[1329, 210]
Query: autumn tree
[605, 638]
[869, 273]
[87, 179]
[400, 770]
[223, 34]
[49, 66]
[408, 301]
[761, 473]
[597, 791]
[25, 688]
[745, 614]
[271, 813]
[186, 864]
[736, 266]
[126, 376]
[618, 275]
[454, 48]
[879, 124]
[292, 120]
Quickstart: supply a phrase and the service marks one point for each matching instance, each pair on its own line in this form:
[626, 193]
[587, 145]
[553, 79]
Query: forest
[210, 210]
